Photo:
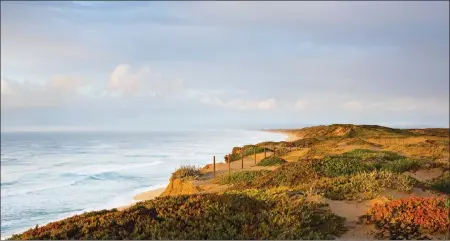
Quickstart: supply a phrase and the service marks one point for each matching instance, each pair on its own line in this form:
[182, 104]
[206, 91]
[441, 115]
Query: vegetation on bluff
[240, 178]
[247, 150]
[186, 172]
[362, 160]
[263, 204]
[236, 215]
[271, 161]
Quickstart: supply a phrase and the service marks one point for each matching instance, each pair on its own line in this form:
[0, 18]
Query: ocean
[47, 176]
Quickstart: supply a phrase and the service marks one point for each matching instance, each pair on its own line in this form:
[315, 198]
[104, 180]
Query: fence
[228, 157]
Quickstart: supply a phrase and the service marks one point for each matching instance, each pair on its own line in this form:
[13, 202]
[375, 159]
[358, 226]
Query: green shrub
[282, 151]
[306, 142]
[400, 165]
[358, 141]
[361, 186]
[334, 166]
[186, 172]
[271, 161]
[441, 184]
[242, 177]
[246, 150]
[381, 160]
[288, 175]
[373, 156]
[236, 215]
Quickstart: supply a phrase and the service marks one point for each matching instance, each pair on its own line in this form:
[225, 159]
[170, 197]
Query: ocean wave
[3, 184]
[8, 159]
[91, 172]
[146, 155]
[104, 176]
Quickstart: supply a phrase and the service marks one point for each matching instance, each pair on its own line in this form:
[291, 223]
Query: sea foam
[50, 176]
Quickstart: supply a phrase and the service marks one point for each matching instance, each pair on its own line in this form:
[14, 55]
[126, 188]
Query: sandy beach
[144, 196]
[221, 166]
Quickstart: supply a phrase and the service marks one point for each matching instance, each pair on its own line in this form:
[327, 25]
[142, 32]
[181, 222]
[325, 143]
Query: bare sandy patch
[426, 174]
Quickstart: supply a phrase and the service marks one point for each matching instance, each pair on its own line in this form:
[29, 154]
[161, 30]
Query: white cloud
[64, 84]
[241, 104]
[143, 82]
[352, 105]
[54, 92]
[5, 88]
[302, 104]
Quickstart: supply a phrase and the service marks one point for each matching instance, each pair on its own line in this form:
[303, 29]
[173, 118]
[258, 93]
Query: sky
[187, 65]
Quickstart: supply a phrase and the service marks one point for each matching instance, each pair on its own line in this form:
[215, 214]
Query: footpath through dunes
[320, 187]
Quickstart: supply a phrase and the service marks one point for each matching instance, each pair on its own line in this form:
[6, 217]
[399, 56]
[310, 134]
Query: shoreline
[289, 135]
[154, 193]
[144, 196]
[151, 193]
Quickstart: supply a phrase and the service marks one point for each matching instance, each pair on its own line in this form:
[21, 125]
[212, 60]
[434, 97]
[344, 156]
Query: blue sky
[164, 65]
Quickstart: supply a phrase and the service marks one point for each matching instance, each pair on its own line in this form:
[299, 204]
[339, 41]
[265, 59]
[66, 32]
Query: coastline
[144, 196]
[154, 193]
[289, 135]
[151, 192]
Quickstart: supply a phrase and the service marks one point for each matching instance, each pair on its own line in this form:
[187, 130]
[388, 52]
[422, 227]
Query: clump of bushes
[441, 184]
[334, 166]
[367, 160]
[246, 150]
[306, 142]
[186, 172]
[242, 177]
[315, 152]
[271, 161]
[400, 165]
[289, 175]
[358, 141]
[282, 151]
[361, 186]
[237, 215]
[373, 156]
[409, 218]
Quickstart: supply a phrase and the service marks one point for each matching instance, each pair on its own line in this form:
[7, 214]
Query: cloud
[302, 104]
[83, 3]
[353, 105]
[64, 84]
[401, 104]
[143, 81]
[58, 90]
[241, 104]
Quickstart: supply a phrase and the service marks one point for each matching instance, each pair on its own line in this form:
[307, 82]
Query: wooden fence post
[242, 160]
[214, 165]
[274, 151]
[254, 153]
[265, 155]
[229, 168]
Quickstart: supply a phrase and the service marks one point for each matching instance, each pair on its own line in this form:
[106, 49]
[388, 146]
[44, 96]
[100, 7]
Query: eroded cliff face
[180, 187]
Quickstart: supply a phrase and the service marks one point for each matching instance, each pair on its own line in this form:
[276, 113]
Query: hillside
[368, 131]
[334, 182]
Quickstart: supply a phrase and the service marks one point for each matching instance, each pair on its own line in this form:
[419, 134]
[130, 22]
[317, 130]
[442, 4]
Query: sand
[149, 195]
[145, 196]
[426, 175]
